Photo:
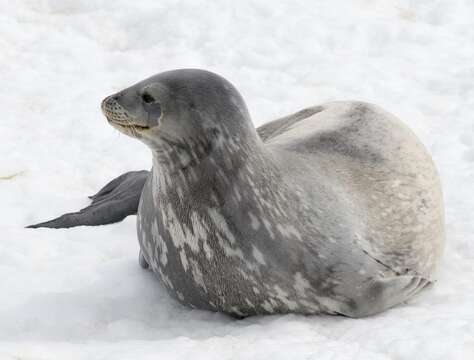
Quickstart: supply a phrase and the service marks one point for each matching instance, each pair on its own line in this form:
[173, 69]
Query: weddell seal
[335, 209]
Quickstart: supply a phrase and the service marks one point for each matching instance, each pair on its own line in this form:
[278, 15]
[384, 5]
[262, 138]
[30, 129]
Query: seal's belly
[205, 278]
[191, 271]
[224, 276]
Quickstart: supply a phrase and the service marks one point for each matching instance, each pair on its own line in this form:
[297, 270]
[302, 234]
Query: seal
[335, 209]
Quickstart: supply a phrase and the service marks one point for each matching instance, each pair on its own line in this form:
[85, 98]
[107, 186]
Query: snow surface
[80, 294]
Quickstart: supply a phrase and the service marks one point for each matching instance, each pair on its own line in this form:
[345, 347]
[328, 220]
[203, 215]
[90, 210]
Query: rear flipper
[113, 203]
[382, 294]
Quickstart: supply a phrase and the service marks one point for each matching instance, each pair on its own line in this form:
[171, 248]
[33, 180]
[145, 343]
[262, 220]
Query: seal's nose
[108, 103]
[103, 104]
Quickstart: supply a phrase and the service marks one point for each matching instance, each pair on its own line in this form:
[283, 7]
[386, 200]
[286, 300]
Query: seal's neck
[211, 167]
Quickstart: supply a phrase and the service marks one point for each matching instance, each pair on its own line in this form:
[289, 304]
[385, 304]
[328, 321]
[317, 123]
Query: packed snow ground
[80, 294]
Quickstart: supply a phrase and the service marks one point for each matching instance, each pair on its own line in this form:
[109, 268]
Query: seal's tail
[113, 203]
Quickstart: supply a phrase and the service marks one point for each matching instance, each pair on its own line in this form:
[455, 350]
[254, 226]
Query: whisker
[133, 129]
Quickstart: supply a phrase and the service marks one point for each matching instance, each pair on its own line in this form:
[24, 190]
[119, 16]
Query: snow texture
[80, 294]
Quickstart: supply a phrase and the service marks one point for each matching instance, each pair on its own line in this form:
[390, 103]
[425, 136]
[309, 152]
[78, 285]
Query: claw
[142, 261]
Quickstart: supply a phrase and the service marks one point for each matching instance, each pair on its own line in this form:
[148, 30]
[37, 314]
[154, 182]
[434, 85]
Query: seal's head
[186, 110]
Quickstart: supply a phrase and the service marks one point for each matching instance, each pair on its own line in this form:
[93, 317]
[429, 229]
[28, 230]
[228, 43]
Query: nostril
[109, 101]
[106, 103]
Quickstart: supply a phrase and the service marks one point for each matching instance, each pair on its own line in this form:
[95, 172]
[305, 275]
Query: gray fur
[334, 209]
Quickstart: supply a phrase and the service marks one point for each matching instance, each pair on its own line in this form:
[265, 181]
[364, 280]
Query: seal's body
[334, 209]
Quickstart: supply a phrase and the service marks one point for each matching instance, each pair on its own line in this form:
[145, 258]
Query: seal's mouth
[130, 126]
[118, 117]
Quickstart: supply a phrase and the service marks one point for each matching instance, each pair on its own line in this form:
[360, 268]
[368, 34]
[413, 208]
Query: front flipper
[142, 261]
[113, 203]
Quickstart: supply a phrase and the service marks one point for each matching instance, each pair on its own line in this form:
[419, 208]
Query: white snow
[80, 294]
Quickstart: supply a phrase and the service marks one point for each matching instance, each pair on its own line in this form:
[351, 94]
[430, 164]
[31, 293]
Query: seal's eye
[147, 98]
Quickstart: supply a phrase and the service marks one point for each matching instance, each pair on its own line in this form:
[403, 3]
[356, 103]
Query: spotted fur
[334, 209]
